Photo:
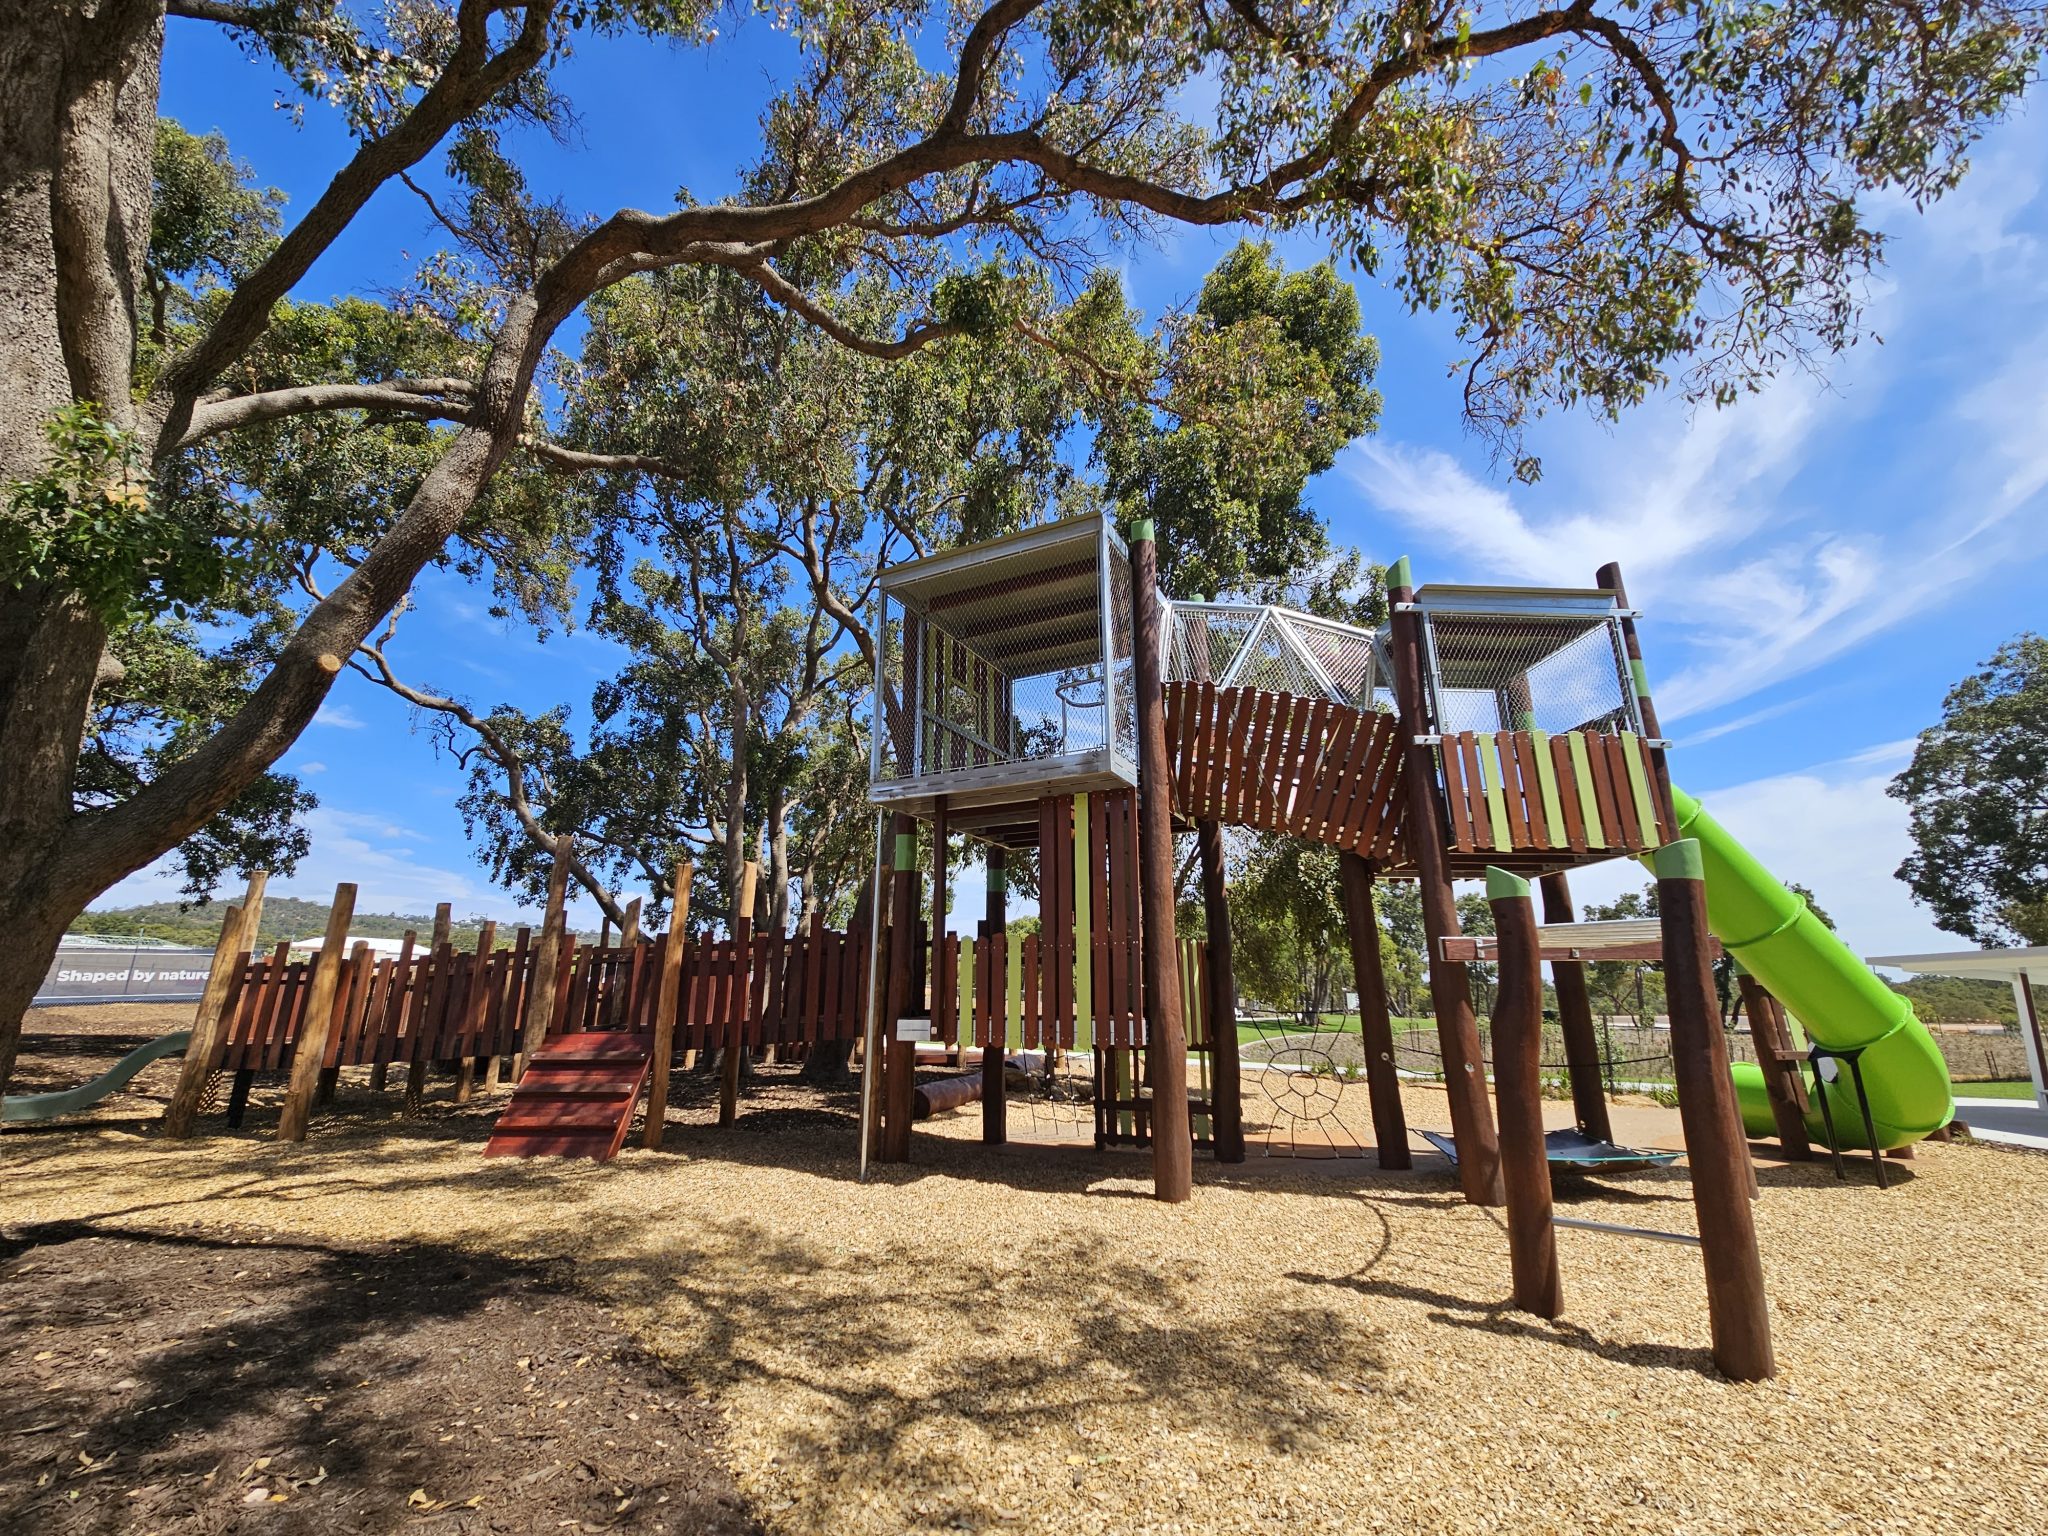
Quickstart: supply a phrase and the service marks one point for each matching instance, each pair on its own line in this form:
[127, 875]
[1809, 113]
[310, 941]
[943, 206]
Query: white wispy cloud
[340, 716]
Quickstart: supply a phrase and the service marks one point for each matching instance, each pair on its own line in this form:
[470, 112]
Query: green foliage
[1976, 794]
[1289, 947]
[1959, 1000]
[208, 223]
[87, 523]
[1265, 381]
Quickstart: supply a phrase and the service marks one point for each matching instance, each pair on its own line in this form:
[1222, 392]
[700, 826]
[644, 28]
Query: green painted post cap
[1505, 885]
[1141, 530]
[1400, 574]
[998, 877]
[1679, 861]
[906, 850]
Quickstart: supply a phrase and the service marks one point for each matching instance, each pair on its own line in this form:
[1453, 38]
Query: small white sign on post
[913, 1028]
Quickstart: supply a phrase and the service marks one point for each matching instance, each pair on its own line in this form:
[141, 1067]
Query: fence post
[995, 1085]
[666, 1001]
[474, 1003]
[317, 1019]
[237, 933]
[743, 988]
[547, 960]
[416, 1074]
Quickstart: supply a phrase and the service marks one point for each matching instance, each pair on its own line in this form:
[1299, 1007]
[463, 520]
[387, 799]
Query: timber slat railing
[1576, 791]
[448, 1004]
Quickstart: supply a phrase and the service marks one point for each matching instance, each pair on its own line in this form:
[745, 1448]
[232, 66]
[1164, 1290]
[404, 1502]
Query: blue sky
[1817, 564]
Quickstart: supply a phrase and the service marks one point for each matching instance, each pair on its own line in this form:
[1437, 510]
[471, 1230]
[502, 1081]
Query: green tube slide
[69, 1101]
[1839, 1000]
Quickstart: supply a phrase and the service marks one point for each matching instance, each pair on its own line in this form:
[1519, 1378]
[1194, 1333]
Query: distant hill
[284, 917]
[1959, 1000]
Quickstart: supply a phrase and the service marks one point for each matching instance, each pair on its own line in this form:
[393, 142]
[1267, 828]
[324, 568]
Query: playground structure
[1033, 694]
[1034, 690]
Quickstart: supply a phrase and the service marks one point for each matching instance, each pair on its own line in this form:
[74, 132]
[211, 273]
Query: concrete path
[2016, 1122]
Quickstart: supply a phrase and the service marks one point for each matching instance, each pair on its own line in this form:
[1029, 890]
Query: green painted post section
[1589, 803]
[1496, 793]
[963, 992]
[1084, 935]
[1639, 786]
[1546, 778]
[1013, 985]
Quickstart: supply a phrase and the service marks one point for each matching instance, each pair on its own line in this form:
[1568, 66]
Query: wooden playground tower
[1036, 693]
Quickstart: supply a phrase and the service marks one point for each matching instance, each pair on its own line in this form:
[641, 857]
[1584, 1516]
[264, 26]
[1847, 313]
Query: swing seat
[1574, 1151]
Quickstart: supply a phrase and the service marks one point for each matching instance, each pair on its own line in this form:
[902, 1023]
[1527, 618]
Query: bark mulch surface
[223, 1380]
[1017, 1339]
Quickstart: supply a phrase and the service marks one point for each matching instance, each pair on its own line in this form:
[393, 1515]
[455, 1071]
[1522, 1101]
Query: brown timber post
[230, 953]
[743, 990]
[1450, 990]
[666, 1001]
[995, 1087]
[316, 1021]
[1226, 1107]
[1166, 1038]
[474, 1004]
[1518, 1085]
[1575, 1019]
[437, 949]
[1715, 1152]
[1375, 1018]
[899, 1057]
[1779, 1064]
[547, 960]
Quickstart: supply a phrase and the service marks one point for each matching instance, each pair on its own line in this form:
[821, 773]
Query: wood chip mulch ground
[1022, 1340]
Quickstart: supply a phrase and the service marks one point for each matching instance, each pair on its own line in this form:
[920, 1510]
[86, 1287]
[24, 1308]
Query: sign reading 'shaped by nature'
[109, 974]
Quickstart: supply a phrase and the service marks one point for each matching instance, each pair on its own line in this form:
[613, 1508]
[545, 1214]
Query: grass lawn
[2022, 1089]
[1346, 1023]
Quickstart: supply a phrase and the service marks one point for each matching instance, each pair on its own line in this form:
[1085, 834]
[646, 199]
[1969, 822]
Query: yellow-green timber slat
[1639, 786]
[1546, 779]
[1589, 802]
[964, 992]
[1013, 998]
[1084, 934]
[1496, 796]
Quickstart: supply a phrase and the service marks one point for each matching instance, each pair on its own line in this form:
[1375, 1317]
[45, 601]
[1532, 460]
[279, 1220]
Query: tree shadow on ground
[161, 1379]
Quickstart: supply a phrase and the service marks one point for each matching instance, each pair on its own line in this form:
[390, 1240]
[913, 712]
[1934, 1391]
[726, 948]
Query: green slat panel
[1084, 934]
[1589, 802]
[1546, 779]
[965, 992]
[1013, 999]
[1639, 786]
[1496, 797]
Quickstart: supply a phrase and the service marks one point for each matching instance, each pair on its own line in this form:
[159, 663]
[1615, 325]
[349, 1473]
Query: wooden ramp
[577, 1098]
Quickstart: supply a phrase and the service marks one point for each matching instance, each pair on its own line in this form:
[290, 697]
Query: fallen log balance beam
[935, 1098]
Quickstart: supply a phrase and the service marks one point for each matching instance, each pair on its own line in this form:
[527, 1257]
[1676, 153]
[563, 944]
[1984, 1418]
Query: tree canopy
[1976, 795]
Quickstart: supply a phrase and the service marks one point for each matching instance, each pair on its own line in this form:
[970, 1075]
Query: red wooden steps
[577, 1098]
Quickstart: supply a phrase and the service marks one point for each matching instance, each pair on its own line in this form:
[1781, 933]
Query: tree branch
[473, 76]
[432, 399]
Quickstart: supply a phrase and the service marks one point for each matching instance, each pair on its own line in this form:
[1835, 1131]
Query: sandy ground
[1020, 1339]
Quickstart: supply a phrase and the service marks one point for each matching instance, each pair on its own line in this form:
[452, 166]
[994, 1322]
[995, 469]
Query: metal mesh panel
[1525, 671]
[1004, 658]
[1276, 650]
[1123, 649]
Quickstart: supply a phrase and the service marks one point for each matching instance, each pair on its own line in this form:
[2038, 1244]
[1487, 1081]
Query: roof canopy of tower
[1029, 603]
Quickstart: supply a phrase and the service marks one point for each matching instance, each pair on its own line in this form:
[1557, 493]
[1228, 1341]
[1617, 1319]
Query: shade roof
[1989, 964]
[1030, 602]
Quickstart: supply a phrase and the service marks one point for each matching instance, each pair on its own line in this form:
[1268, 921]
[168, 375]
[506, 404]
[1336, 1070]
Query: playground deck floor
[1020, 1339]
